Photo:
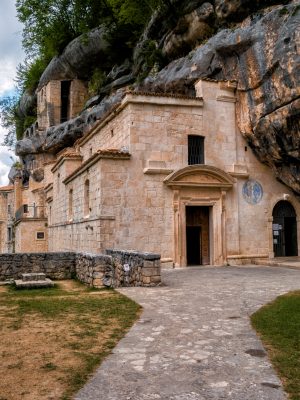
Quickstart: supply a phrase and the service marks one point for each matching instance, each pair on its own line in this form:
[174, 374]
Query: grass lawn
[52, 339]
[278, 325]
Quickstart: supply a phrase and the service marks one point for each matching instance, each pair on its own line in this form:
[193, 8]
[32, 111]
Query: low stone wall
[54, 265]
[132, 268]
[91, 269]
[115, 269]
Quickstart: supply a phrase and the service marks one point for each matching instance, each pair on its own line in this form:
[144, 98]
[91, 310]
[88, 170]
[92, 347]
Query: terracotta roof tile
[217, 80]
[156, 94]
[112, 152]
[105, 153]
[6, 188]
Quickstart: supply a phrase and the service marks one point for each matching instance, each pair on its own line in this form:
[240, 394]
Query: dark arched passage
[284, 230]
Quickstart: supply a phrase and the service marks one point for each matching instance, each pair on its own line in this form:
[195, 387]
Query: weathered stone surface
[190, 30]
[63, 135]
[193, 339]
[259, 51]
[262, 57]
[75, 62]
[119, 268]
[133, 268]
[53, 265]
[27, 283]
[27, 103]
[38, 174]
[237, 10]
[37, 276]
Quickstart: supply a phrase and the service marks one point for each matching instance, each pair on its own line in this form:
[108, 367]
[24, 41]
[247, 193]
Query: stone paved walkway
[194, 340]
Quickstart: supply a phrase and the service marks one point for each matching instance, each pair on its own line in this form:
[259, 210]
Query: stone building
[6, 218]
[161, 173]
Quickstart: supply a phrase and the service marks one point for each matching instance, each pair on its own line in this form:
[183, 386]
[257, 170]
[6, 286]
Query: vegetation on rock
[50, 25]
[165, 46]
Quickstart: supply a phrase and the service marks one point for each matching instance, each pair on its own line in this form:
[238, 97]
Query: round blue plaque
[252, 191]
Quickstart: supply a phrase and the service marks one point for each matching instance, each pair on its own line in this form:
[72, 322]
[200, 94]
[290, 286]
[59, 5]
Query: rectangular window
[25, 208]
[70, 204]
[40, 235]
[9, 209]
[65, 101]
[195, 149]
[9, 234]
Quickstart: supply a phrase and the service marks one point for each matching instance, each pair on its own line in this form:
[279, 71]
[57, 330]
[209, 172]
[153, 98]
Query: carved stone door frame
[202, 186]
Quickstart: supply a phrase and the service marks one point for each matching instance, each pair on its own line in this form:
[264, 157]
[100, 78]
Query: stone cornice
[163, 99]
[199, 175]
[65, 157]
[108, 154]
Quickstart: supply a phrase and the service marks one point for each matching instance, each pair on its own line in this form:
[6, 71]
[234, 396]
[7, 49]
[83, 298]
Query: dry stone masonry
[116, 269]
[33, 281]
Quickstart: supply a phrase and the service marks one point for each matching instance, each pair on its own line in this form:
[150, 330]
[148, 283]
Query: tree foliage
[49, 25]
[9, 119]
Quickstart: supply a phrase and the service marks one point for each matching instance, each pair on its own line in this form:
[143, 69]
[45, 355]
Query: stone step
[33, 276]
[20, 284]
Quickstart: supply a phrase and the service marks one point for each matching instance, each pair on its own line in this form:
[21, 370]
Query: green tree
[10, 120]
[49, 25]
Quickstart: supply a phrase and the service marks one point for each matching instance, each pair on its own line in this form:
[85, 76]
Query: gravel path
[194, 340]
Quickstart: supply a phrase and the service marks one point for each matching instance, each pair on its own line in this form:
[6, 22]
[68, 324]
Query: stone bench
[33, 280]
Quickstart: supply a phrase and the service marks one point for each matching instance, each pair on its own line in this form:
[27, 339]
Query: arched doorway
[284, 230]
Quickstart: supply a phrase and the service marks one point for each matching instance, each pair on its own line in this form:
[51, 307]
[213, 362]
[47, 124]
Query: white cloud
[7, 158]
[11, 54]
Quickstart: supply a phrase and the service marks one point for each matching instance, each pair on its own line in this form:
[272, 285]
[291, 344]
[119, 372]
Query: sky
[11, 54]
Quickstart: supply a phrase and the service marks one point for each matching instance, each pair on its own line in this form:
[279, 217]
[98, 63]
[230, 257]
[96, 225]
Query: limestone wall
[115, 269]
[132, 268]
[54, 265]
[27, 237]
[113, 135]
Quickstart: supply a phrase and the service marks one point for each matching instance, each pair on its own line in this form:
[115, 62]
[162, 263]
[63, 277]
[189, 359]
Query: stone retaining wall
[115, 269]
[91, 269]
[132, 268]
[54, 265]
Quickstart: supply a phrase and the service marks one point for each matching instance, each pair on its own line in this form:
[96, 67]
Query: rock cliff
[255, 42]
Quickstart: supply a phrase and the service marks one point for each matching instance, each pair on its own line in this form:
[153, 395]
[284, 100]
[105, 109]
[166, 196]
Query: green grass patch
[70, 331]
[278, 325]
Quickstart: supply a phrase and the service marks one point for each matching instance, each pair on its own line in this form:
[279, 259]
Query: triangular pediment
[200, 176]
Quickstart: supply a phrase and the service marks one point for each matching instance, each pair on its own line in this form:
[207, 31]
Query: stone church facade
[160, 173]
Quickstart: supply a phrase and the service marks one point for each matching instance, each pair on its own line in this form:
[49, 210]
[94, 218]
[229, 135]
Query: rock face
[255, 42]
[262, 55]
[76, 60]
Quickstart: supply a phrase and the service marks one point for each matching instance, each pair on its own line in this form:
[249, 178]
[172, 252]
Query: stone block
[150, 271]
[38, 276]
[148, 264]
[20, 284]
[98, 275]
[146, 279]
[155, 279]
[98, 283]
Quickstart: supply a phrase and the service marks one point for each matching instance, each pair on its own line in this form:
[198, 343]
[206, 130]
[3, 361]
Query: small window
[25, 208]
[86, 198]
[9, 209]
[9, 234]
[70, 204]
[195, 149]
[65, 101]
[40, 235]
